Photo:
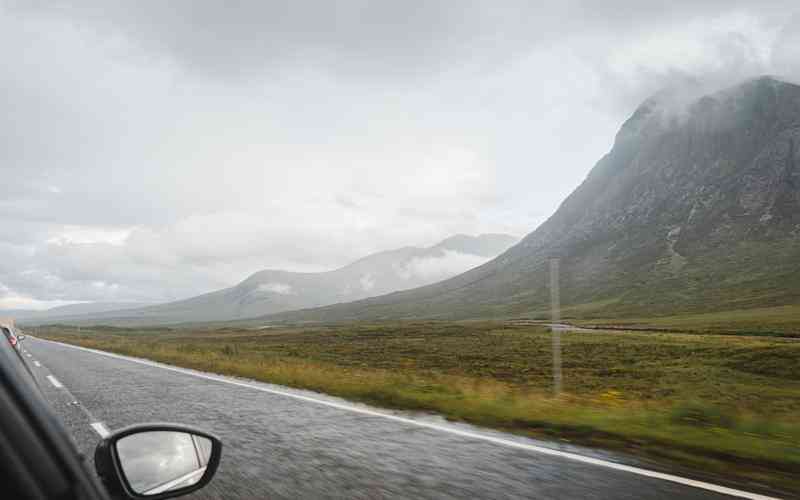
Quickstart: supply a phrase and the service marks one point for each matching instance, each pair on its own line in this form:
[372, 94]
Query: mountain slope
[272, 291]
[69, 310]
[695, 208]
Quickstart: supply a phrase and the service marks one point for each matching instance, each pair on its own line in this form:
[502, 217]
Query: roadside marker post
[555, 318]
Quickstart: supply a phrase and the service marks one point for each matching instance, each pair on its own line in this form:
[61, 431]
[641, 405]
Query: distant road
[282, 443]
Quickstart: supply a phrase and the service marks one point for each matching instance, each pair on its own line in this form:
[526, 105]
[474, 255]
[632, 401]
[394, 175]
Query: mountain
[63, 312]
[695, 208]
[271, 291]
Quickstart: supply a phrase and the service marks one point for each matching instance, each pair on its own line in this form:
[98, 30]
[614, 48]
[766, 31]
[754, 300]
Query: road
[284, 443]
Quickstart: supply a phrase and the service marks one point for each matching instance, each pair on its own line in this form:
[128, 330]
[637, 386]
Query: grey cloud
[393, 39]
[786, 51]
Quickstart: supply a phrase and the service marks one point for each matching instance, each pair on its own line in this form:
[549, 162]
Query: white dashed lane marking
[54, 381]
[100, 428]
[37, 364]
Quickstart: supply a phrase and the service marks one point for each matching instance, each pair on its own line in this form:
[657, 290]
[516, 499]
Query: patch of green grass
[728, 403]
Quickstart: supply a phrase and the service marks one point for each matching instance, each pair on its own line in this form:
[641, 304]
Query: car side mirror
[156, 461]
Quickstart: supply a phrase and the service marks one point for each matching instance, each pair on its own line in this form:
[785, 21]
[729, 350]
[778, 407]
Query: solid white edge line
[442, 428]
[100, 428]
[55, 382]
[175, 482]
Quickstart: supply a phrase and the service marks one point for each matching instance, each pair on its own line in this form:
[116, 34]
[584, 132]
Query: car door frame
[44, 455]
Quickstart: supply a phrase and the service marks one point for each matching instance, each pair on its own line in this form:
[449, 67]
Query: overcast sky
[152, 150]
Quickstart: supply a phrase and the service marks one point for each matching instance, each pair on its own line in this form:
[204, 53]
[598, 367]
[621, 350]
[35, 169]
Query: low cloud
[279, 288]
[450, 263]
[367, 282]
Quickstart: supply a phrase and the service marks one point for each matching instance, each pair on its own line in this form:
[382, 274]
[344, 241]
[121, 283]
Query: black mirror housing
[111, 468]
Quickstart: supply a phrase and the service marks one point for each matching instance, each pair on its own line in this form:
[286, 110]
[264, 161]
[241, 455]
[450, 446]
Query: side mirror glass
[157, 460]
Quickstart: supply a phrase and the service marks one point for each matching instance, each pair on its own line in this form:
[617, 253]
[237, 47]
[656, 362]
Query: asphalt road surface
[284, 443]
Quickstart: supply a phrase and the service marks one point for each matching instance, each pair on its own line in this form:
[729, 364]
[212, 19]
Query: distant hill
[272, 291]
[696, 208]
[70, 310]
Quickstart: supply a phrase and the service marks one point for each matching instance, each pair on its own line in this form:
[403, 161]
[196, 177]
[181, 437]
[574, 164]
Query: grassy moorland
[778, 321]
[724, 403]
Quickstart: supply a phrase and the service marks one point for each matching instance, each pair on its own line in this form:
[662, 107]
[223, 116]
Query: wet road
[282, 443]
